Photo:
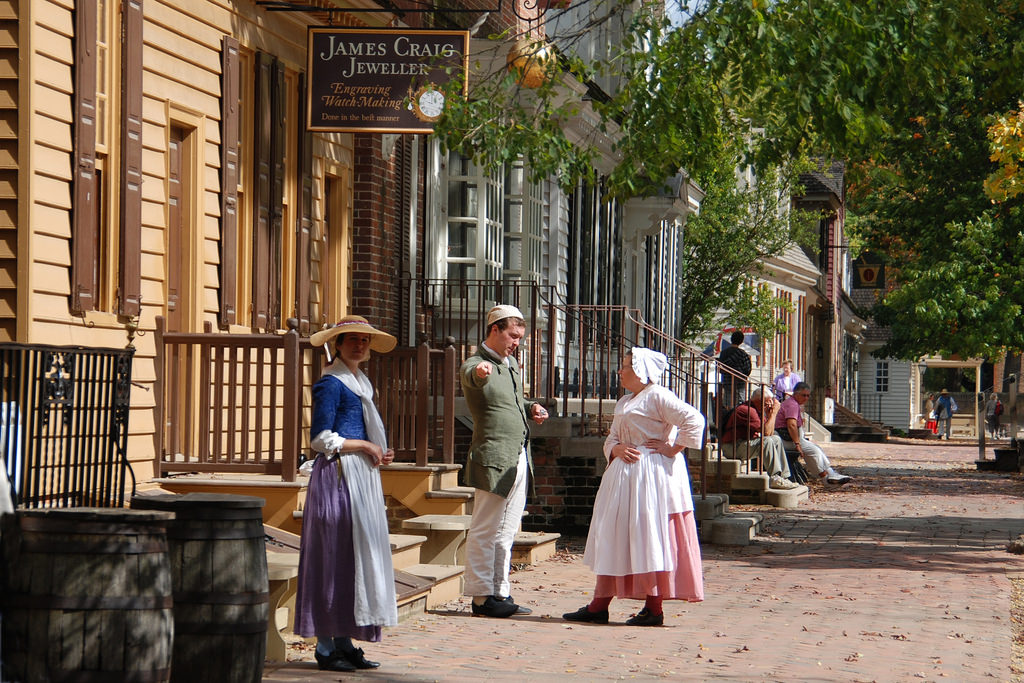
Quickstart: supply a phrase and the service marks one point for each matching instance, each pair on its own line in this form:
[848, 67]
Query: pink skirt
[685, 582]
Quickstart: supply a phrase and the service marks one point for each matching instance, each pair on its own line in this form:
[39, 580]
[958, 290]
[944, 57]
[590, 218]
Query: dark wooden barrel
[86, 596]
[218, 563]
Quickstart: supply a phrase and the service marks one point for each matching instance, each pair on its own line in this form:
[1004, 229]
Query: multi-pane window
[882, 376]
[523, 215]
[473, 205]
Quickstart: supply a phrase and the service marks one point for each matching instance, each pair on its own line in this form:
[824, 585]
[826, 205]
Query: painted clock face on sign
[428, 103]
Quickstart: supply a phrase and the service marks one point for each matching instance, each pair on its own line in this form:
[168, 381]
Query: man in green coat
[498, 465]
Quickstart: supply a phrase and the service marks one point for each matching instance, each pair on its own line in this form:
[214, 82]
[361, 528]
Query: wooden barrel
[218, 563]
[86, 596]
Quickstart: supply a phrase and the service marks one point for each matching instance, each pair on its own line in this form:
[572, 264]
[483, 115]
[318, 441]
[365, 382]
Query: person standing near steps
[498, 466]
[643, 541]
[346, 586]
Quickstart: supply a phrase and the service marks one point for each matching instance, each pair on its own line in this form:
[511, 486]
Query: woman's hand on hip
[667, 449]
[625, 452]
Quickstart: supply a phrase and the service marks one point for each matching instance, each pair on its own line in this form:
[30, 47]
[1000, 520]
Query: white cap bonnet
[648, 364]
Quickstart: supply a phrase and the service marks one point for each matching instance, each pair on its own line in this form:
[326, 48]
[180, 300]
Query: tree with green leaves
[777, 81]
[955, 250]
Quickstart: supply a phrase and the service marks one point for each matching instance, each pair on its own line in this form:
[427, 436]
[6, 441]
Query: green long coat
[500, 427]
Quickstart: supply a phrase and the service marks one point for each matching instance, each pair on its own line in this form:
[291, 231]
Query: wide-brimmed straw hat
[944, 392]
[381, 342]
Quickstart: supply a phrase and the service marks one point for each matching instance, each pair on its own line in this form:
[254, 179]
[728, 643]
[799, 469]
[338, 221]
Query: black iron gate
[64, 424]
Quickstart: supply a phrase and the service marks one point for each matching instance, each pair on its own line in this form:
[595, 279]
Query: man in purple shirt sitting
[789, 424]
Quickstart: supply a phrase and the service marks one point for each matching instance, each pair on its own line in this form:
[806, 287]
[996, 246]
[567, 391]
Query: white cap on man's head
[502, 311]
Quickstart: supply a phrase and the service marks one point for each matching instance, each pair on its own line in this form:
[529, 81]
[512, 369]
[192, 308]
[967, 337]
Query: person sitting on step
[746, 433]
[789, 424]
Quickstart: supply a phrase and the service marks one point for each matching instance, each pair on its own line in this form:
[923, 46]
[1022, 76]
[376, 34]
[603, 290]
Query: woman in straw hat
[643, 540]
[346, 585]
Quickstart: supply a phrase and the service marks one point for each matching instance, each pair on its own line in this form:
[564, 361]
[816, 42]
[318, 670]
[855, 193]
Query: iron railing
[571, 354]
[64, 424]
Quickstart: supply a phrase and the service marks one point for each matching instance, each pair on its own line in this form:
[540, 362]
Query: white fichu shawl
[375, 602]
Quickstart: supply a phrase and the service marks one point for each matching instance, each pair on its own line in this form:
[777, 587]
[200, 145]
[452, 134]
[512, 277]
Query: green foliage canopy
[956, 254]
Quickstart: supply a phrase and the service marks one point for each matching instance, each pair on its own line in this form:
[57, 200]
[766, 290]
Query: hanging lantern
[529, 62]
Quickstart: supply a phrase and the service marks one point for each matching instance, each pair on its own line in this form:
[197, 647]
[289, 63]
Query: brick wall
[397, 513]
[567, 474]
[377, 225]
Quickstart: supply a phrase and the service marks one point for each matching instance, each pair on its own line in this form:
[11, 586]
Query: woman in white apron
[643, 539]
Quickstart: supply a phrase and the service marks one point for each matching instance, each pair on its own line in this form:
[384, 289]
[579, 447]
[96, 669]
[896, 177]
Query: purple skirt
[325, 597]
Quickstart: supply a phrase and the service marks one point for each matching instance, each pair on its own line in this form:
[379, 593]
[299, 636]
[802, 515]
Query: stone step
[858, 432]
[755, 482]
[711, 506]
[788, 498]
[734, 528]
[446, 578]
[446, 537]
[532, 547]
[464, 493]
[728, 466]
[412, 593]
[405, 549]
[442, 475]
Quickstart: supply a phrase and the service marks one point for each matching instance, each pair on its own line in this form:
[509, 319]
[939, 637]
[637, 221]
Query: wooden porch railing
[241, 403]
[229, 403]
[416, 398]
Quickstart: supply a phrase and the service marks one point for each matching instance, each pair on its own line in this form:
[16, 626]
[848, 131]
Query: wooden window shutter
[130, 213]
[84, 214]
[229, 181]
[304, 214]
[277, 145]
[261, 194]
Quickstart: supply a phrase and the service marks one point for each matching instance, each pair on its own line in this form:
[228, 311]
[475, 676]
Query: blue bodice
[337, 409]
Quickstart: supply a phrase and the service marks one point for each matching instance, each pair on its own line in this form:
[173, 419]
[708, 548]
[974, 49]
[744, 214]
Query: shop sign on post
[378, 80]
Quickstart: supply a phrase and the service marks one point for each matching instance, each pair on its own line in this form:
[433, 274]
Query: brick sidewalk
[901, 576]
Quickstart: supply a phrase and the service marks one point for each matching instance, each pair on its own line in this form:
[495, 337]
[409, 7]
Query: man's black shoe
[519, 608]
[499, 609]
[583, 614]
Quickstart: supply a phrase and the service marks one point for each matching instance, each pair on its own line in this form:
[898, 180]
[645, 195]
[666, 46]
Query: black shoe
[333, 662]
[645, 618]
[519, 608]
[357, 659]
[499, 609]
[583, 614]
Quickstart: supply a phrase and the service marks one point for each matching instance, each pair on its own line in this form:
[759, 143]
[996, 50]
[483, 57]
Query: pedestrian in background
[944, 409]
[733, 385]
[784, 382]
[993, 409]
